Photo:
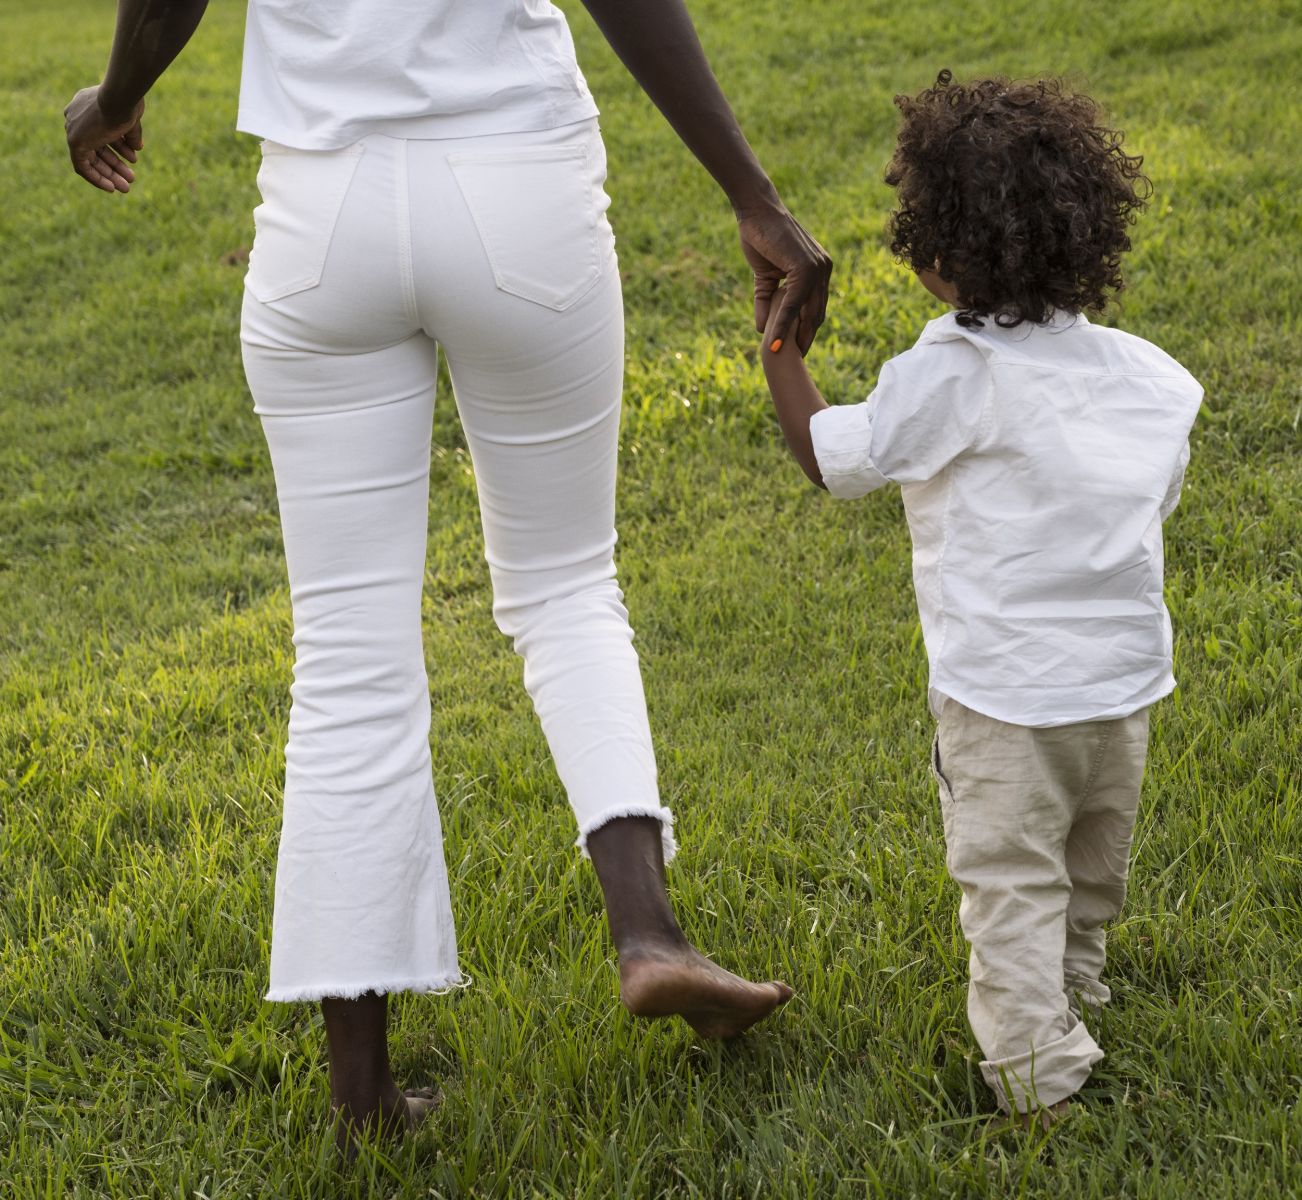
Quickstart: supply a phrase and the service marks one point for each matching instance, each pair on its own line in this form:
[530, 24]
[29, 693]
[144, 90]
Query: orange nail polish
[776, 345]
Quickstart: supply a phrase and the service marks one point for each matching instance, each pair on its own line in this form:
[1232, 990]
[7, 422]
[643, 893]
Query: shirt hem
[430, 127]
[938, 696]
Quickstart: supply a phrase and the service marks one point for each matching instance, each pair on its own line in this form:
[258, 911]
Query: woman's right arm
[103, 122]
[657, 42]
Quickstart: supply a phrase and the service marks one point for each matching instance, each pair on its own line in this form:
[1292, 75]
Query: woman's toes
[420, 1103]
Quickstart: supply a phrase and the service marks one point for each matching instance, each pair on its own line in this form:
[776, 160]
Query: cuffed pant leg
[1046, 1073]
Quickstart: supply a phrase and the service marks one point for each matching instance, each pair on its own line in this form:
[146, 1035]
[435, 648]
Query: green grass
[146, 659]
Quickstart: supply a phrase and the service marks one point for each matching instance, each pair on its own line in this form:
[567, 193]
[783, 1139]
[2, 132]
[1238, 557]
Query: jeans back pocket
[539, 219]
[302, 194]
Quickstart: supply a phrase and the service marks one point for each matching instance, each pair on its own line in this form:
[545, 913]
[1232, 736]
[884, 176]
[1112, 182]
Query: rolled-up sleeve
[842, 436]
[926, 409]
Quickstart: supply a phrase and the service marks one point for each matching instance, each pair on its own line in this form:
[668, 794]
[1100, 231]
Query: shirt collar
[945, 327]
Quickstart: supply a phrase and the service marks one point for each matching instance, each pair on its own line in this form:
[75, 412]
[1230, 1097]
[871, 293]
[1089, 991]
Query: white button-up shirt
[1037, 465]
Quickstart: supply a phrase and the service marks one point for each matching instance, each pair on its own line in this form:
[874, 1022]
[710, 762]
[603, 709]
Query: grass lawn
[145, 665]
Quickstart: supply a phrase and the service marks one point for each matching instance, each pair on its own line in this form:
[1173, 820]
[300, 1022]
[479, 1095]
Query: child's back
[1037, 464]
[1038, 456]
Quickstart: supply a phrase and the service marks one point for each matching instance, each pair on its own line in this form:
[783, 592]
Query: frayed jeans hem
[663, 815]
[438, 984]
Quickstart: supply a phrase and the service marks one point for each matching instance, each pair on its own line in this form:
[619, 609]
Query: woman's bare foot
[421, 1103]
[391, 1115]
[660, 973]
[365, 1102]
[676, 980]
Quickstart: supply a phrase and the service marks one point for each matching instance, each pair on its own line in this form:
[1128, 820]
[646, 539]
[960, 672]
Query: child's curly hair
[1018, 193]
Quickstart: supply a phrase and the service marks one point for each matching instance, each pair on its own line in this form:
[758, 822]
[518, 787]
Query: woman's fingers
[802, 306]
[805, 304]
[766, 286]
[92, 170]
[118, 171]
[807, 288]
[108, 177]
[820, 313]
[786, 325]
[778, 249]
[91, 173]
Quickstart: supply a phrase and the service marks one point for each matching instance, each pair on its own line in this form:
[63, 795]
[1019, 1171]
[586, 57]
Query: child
[1038, 455]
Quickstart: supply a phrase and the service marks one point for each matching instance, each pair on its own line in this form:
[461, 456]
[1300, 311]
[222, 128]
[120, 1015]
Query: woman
[433, 177]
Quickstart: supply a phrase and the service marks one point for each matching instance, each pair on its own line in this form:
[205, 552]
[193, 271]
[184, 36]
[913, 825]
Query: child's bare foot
[676, 980]
[1043, 1119]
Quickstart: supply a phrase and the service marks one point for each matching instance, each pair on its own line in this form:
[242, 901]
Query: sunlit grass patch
[145, 665]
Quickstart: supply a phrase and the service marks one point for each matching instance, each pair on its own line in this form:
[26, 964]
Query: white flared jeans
[366, 261]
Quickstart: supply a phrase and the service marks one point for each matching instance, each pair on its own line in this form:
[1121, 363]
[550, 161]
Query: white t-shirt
[1037, 465]
[321, 75]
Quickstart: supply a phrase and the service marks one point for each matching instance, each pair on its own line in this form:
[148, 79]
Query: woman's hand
[779, 250]
[103, 122]
[98, 144]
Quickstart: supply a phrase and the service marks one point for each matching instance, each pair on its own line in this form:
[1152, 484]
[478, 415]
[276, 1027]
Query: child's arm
[794, 396]
[928, 407]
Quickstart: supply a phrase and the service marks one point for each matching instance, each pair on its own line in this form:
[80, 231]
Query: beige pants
[1038, 824]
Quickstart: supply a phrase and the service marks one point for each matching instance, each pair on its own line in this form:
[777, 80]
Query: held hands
[98, 145]
[780, 356]
[778, 249]
[770, 342]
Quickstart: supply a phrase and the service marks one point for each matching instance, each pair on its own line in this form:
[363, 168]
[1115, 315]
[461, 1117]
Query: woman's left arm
[103, 122]
[656, 40]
